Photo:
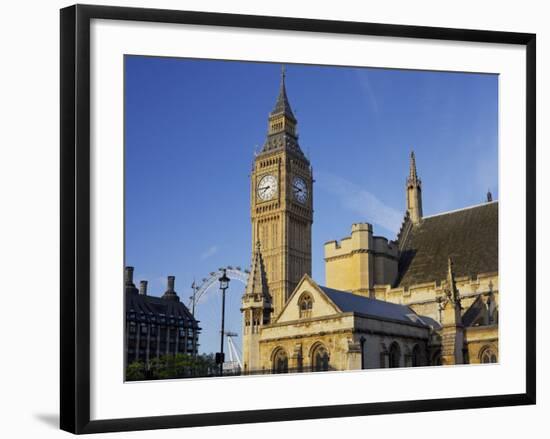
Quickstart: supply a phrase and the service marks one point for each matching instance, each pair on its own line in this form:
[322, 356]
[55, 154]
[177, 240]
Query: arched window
[280, 361]
[488, 355]
[319, 359]
[395, 355]
[416, 359]
[305, 304]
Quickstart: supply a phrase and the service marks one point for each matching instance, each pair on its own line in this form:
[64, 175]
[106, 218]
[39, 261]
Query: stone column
[295, 364]
[452, 342]
[354, 355]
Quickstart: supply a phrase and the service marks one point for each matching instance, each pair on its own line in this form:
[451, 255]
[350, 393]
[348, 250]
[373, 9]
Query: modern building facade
[428, 297]
[157, 326]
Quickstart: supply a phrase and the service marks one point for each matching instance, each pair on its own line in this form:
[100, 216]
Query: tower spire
[282, 105]
[414, 192]
[256, 307]
[412, 168]
[257, 281]
[282, 123]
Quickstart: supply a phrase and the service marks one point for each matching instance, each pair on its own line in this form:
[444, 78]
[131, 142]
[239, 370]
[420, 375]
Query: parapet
[361, 227]
[383, 246]
[361, 240]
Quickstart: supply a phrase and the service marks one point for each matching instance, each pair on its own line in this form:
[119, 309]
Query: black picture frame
[75, 217]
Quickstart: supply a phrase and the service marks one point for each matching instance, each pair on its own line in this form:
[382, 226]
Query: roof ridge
[461, 209]
[359, 296]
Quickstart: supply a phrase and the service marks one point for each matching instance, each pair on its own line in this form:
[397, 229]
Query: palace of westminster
[429, 297]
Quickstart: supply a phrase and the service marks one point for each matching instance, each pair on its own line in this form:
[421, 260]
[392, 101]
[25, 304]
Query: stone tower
[414, 192]
[282, 204]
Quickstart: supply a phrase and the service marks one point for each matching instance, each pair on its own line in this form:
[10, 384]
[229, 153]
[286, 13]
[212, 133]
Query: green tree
[135, 371]
[180, 366]
[206, 365]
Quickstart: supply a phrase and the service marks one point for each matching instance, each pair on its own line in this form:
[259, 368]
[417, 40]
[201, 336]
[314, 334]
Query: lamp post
[224, 284]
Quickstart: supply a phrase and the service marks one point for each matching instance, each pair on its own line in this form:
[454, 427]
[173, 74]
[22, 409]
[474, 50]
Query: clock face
[299, 190]
[267, 187]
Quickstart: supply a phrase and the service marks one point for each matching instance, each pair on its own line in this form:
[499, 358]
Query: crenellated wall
[360, 261]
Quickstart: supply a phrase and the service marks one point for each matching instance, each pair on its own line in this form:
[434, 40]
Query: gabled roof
[306, 279]
[349, 302]
[469, 236]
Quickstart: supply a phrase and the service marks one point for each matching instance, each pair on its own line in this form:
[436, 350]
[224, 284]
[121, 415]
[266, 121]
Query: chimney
[129, 286]
[170, 293]
[489, 196]
[171, 281]
[143, 287]
[129, 275]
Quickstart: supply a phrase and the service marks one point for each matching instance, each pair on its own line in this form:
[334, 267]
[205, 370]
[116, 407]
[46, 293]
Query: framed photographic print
[342, 210]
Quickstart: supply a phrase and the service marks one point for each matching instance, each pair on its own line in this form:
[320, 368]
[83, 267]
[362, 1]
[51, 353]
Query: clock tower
[281, 209]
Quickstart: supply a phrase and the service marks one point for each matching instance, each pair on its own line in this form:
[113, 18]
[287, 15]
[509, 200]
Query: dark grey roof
[148, 305]
[473, 312]
[468, 236]
[431, 322]
[282, 105]
[283, 140]
[349, 302]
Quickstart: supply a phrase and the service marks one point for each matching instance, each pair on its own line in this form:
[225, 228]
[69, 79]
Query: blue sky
[192, 127]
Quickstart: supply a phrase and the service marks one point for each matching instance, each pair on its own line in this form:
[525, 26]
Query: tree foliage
[173, 366]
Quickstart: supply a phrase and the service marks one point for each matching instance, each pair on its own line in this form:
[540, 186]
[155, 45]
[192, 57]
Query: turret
[256, 309]
[360, 261]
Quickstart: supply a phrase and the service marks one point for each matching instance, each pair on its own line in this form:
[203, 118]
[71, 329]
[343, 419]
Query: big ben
[281, 209]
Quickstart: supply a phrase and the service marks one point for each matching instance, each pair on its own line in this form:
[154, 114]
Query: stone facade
[351, 339]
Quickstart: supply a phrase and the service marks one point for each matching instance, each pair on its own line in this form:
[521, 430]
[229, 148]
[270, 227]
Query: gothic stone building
[430, 297]
[157, 326]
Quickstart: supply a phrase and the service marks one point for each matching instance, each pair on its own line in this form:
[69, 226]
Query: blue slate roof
[349, 302]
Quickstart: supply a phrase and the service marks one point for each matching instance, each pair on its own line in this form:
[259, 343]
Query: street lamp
[224, 284]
